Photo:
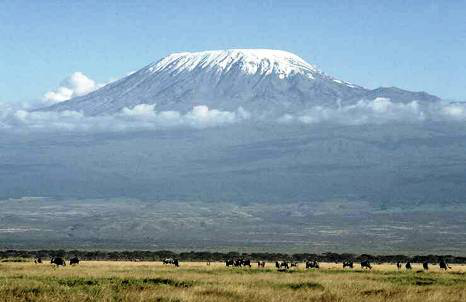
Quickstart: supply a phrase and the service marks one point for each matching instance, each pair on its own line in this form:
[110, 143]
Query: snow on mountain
[255, 79]
[251, 61]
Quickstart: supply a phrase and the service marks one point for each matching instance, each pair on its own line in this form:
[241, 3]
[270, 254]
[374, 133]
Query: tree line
[218, 256]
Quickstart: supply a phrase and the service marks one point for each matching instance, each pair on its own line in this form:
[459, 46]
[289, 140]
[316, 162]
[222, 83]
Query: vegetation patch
[342, 271]
[305, 285]
[220, 293]
[371, 292]
[288, 271]
[78, 282]
[21, 292]
[14, 260]
[424, 280]
[250, 271]
[157, 281]
[167, 299]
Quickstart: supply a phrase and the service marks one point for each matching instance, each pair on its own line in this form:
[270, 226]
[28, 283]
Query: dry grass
[150, 281]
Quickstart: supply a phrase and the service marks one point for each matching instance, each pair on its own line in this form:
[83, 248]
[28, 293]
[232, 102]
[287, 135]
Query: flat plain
[197, 281]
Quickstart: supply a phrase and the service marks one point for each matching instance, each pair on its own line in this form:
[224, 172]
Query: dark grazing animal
[398, 265]
[229, 262]
[425, 265]
[443, 264]
[74, 260]
[408, 265]
[260, 263]
[282, 265]
[366, 264]
[312, 264]
[348, 263]
[246, 262]
[293, 264]
[171, 261]
[239, 262]
[38, 260]
[57, 261]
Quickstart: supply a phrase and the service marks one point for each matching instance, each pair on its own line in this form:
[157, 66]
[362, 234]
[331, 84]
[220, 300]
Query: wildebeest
[348, 263]
[398, 265]
[443, 264]
[74, 260]
[171, 261]
[57, 261]
[408, 265]
[242, 262]
[38, 260]
[425, 265]
[366, 264]
[312, 264]
[293, 264]
[282, 265]
[260, 263]
[238, 262]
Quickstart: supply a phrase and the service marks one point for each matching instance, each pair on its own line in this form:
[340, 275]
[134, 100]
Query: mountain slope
[255, 79]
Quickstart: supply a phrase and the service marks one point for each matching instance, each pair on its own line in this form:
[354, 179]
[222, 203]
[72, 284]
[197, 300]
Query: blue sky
[416, 45]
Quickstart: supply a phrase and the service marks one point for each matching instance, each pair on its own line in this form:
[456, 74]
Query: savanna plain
[197, 281]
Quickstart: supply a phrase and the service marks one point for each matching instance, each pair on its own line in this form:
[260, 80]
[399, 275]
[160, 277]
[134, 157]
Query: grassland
[152, 281]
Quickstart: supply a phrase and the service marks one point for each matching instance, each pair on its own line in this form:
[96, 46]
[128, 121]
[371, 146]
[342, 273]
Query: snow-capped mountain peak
[250, 61]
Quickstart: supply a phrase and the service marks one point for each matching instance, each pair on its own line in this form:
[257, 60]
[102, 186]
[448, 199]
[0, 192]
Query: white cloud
[199, 117]
[75, 85]
[143, 116]
[454, 111]
[377, 111]
[141, 111]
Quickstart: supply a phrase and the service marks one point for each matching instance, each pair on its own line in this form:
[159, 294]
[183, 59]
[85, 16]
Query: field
[195, 281]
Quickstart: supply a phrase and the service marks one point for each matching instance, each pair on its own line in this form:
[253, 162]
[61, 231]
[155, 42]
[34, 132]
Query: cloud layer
[146, 116]
[143, 116]
[75, 85]
[379, 111]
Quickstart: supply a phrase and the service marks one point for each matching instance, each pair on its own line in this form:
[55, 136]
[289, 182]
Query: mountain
[268, 186]
[255, 79]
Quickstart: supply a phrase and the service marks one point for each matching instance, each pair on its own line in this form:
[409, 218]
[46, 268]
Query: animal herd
[58, 261]
[365, 264]
[425, 265]
[240, 262]
[280, 265]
